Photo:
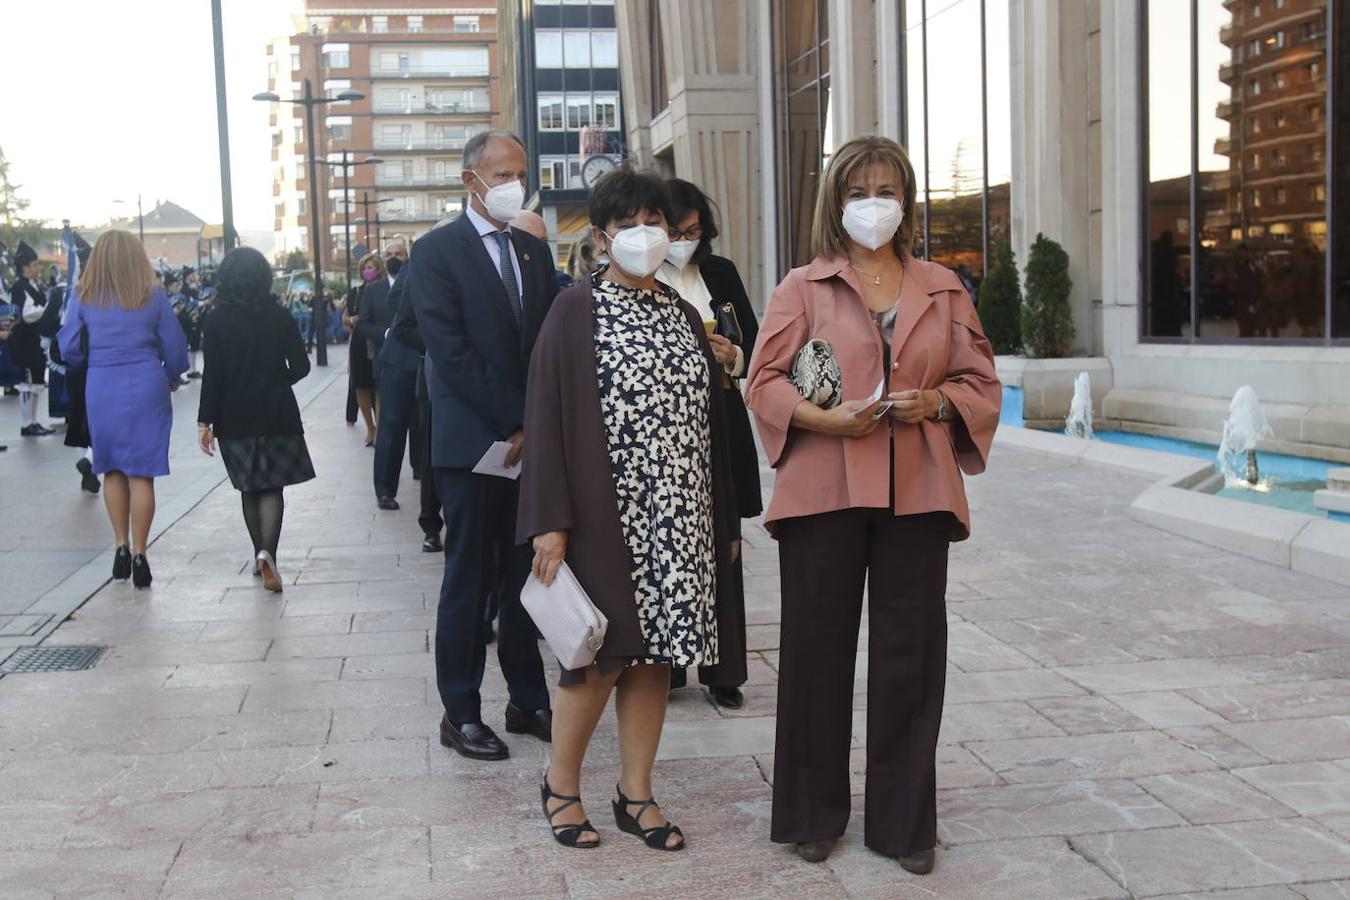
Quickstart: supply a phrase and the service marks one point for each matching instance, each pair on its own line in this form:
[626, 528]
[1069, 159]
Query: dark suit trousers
[825, 560]
[480, 554]
[398, 415]
[429, 518]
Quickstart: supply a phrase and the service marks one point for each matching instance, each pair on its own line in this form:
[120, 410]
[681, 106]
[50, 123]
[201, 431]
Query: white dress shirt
[488, 232]
[689, 284]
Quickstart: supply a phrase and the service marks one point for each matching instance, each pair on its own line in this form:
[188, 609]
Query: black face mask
[392, 265]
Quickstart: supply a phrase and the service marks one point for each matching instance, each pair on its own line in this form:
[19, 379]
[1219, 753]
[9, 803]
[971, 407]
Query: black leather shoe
[35, 430]
[731, 697]
[140, 571]
[388, 503]
[432, 544]
[678, 678]
[815, 851]
[920, 863]
[88, 480]
[473, 740]
[538, 722]
[122, 563]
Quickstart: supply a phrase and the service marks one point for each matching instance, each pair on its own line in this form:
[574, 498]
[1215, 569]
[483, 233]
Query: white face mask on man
[639, 249]
[873, 221]
[504, 201]
[681, 252]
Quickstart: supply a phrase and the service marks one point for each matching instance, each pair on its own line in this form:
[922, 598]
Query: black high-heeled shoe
[567, 835]
[140, 571]
[653, 837]
[122, 563]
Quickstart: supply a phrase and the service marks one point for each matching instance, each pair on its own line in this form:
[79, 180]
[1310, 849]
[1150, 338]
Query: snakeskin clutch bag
[816, 375]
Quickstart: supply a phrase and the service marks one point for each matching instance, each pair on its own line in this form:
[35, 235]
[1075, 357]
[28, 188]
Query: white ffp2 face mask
[873, 221]
[639, 249]
[681, 252]
[504, 201]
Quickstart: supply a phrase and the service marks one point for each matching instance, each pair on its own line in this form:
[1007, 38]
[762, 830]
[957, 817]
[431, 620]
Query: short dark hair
[244, 279]
[685, 198]
[476, 145]
[625, 192]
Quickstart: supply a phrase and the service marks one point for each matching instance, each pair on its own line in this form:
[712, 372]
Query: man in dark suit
[396, 368]
[481, 290]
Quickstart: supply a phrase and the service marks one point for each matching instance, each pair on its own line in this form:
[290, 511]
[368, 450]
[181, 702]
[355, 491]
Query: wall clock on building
[595, 168]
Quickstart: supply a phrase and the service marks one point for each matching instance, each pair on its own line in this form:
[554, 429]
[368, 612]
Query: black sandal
[653, 837]
[567, 835]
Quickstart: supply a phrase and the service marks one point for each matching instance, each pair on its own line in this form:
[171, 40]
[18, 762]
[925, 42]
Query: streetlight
[140, 217]
[365, 215]
[318, 315]
[346, 163]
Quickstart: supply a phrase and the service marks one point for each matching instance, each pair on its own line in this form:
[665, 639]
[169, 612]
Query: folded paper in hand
[568, 620]
[494, 462]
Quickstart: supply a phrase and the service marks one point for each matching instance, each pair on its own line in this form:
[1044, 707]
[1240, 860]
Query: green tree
[296, 260]
[1047, 320]
[11, 204]
[1001, 302]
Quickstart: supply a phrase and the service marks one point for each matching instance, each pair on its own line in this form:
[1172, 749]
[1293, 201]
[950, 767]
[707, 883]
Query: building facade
[567, 86]
[430, 73]
[1192, 157]
[172, 233]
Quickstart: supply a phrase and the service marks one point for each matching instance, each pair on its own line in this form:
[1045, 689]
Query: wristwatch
[942, 407]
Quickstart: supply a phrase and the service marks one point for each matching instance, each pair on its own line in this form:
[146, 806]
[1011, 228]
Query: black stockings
[262, 514]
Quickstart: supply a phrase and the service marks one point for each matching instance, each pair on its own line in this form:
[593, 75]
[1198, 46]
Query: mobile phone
[882, 409]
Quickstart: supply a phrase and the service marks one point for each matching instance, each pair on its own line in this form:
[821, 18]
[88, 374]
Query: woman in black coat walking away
[253, 354]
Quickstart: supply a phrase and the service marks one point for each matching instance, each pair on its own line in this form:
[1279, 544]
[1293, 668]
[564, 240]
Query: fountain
[1079, 423]
[1245, 426]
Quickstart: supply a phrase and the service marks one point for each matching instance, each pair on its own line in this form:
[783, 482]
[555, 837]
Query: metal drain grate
[51, 659]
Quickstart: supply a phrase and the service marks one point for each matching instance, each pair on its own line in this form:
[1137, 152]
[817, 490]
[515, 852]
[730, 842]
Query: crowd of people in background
[617, 396]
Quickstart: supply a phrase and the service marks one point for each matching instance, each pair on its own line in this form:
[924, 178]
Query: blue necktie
[508, 272]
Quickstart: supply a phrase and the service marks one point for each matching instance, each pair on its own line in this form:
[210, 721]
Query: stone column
[1054, 79]
[712, 129]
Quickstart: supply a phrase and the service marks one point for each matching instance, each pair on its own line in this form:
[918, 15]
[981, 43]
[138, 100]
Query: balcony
[430, 72]
[432, 109]
[1228, 72]
[1226, 35]
[420, 215]
[1227, 108]
[1223, 147]
[424, 144]
[419, 181]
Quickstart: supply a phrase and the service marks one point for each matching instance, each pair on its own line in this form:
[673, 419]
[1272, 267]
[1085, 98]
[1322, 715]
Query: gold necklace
[876, 279]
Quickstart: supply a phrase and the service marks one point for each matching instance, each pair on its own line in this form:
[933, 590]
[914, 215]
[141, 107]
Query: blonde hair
[118, 272]
[828, 237]
[371, 258]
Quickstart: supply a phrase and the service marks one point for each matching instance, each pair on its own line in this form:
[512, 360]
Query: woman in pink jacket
[868, 491]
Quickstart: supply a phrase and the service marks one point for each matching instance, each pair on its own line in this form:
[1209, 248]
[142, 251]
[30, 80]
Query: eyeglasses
[693, 233]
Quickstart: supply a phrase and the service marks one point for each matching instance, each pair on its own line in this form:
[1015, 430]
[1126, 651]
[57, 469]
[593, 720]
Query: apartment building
[430, 75]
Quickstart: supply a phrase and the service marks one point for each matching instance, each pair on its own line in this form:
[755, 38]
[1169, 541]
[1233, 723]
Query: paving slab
[1218, 857]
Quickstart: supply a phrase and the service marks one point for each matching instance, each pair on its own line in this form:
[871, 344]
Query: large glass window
[958, 131]
[802, 68]
[1236, 178]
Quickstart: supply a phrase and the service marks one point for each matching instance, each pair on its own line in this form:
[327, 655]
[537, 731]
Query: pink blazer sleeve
[972, 387]
[768, 392]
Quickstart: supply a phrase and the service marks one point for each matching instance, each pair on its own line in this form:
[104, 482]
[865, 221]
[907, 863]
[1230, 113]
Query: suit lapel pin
[527, 257]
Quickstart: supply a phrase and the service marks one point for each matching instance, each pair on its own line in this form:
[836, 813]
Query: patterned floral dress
[654, 398]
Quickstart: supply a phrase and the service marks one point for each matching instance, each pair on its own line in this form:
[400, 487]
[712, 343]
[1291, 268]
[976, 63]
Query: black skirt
[360, 366]
[266, 463]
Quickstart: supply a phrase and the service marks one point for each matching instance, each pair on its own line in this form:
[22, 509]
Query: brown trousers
[825, 560]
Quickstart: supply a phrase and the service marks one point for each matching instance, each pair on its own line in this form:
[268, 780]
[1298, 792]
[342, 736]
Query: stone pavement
[1128, 714]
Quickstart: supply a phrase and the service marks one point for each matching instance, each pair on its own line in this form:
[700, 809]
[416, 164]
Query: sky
[118, 98]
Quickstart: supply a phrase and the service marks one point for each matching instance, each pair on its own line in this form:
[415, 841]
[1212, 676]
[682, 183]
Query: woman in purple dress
[120, 325]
